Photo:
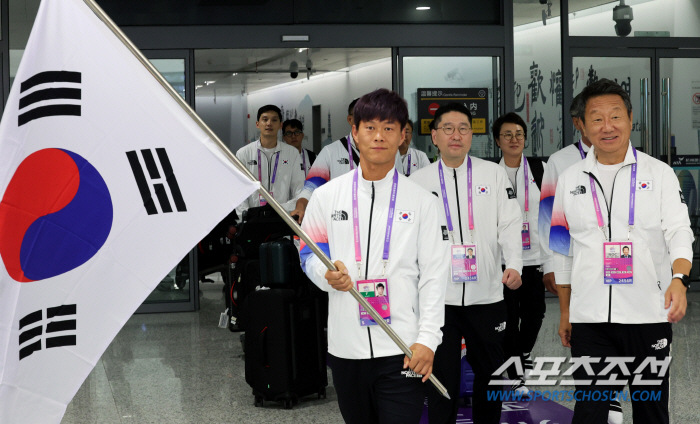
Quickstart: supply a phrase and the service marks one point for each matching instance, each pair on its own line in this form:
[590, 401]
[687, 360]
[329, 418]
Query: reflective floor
[182, 368]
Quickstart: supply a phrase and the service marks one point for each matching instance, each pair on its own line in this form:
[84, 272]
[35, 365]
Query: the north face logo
[660, 344]
[343, 161]
[501, 326]
[252, 162]
[579, 190]
[411, 374]
[340, 216]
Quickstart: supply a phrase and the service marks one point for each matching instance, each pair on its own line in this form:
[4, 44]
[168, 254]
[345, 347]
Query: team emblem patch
[404, 216]
[483, 191]
[644, 185]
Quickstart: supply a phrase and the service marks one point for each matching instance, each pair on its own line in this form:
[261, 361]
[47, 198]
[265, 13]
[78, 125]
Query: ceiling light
[301, 50]
[423, 8]
[234, 74]
[209, 82]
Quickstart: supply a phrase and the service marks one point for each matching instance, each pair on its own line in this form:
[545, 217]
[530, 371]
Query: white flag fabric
[105, 185]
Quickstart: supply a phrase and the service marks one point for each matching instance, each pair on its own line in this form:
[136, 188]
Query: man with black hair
[479, 212]
[398, 244]
[293, 134]
[336, 159]
[602, 314]
[525, 305]
[411, 159]
[276, 165]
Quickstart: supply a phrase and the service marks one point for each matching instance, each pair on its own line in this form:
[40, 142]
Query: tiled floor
[182, 368]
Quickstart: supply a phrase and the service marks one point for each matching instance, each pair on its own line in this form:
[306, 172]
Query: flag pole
[270, 200]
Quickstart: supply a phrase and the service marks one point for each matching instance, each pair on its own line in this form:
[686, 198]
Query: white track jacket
[497, 225]
[416, 270]
[531, 257]
[418, 160]
[661, 234]
[289, 180]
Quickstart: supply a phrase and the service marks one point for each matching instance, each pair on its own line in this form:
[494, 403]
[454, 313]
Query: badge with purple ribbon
[618, 262]
[464, 263]
[376, 292]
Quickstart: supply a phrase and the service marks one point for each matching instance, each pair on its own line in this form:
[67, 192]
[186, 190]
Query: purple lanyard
[444, 201]
[633, 186]
[580, 149]
[527, 187]
[469, 196]
[356, 221]
[352, 162]
[408, 172]
[274, 172]
[303, 159]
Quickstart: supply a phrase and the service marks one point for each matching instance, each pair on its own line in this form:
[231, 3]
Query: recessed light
[234, 74]
[301, 50]
[423, 8]
[209, 82]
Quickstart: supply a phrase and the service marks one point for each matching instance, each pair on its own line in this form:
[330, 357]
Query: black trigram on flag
[52, 85]
[52, 326]
[154, 173]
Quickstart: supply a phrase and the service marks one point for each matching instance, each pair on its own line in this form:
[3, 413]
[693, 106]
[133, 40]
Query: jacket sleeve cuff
[305, 194]
[516, 264]
[562, 268]
[681, 253]
[548, 265]
[428, 339]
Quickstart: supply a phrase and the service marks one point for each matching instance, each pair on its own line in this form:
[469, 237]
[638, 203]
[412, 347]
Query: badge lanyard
[408, 171]
[274, 172]
[469, 197]
[303, 159]
[352, 162]
[580, 149]
[527, 187]
[633, 186]
[356, 222]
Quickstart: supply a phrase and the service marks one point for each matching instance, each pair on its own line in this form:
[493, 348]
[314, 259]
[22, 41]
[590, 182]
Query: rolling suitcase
[279, 264]
[285, 347]
[466, 381]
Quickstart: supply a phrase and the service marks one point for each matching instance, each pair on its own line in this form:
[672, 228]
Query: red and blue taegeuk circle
[55, 215]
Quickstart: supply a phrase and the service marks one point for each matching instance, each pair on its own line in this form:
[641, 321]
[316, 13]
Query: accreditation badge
[618, 262]
[463, 264]
[525, 232]
[263, 202]
[377, 294]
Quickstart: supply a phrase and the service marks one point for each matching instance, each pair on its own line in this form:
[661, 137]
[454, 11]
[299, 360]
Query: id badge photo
[618, 262]
[263, 202]
[463, 263]
[377, 294]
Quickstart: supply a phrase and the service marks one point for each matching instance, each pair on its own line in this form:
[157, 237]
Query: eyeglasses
[449, 130]
[291, 133]
[508, 136]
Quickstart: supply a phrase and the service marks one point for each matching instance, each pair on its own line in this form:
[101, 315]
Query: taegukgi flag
[105, 184]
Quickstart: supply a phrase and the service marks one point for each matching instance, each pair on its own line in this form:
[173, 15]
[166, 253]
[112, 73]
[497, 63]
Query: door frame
[193, 303]
[398, 54]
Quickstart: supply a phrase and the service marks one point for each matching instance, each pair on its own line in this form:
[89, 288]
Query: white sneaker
[615, 413]
[518, 386]
[527, 365]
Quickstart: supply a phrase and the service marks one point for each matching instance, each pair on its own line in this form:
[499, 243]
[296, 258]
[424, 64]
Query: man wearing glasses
[293, 134]
[482, 214]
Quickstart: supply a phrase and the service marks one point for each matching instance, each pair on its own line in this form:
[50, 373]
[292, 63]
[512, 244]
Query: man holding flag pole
[93, 180]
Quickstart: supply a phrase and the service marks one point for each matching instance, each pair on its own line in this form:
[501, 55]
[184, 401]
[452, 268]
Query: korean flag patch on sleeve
[644, 185]
[483, 190]
[404, 216]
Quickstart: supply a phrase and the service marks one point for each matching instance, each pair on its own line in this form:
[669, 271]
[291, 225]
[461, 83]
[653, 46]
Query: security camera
[309, 64]
[294, 70]
[622, 15]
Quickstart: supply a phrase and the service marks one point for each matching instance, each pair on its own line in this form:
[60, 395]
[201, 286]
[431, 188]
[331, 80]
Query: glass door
[178, 291]
[679, 118]
[430, 77]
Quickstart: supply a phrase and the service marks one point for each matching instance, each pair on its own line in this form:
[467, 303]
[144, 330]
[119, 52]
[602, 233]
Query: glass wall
[538, 75]
[233, 84]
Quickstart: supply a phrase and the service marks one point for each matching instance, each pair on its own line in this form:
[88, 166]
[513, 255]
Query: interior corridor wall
[332, 91]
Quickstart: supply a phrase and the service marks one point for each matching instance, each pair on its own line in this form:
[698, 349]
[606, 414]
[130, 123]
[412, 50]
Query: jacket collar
[591, 160]
[503, 162]
[278, 147]
[461, 168]
[365, 185]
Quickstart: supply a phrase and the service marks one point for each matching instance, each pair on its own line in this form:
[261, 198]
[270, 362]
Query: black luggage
[279, 264]
[285, 348]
